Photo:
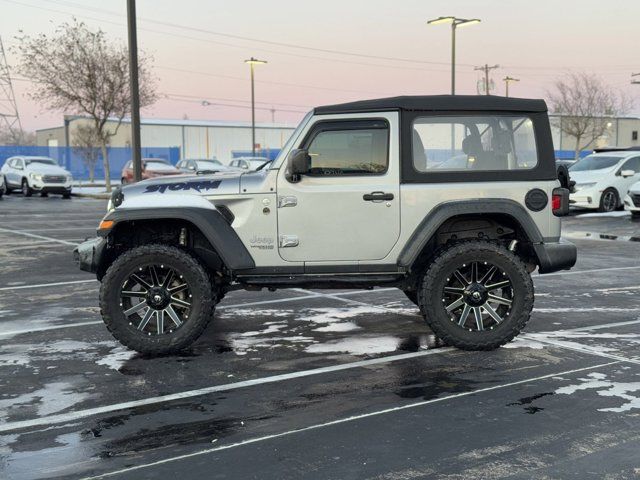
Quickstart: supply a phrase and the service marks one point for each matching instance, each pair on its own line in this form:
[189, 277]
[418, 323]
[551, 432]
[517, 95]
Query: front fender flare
[210, 222]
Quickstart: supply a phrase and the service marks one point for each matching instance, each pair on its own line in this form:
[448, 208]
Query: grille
[54, 179]
[636, 199]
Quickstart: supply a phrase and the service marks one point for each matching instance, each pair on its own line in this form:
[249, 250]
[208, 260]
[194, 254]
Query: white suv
[603, 179]
[36, 174]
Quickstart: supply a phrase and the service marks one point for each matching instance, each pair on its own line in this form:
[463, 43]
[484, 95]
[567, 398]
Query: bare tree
[86, 143]
[13, 137]
[77, 70]
[587, 106]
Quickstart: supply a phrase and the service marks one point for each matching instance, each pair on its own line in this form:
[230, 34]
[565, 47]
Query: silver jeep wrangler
[452, 199]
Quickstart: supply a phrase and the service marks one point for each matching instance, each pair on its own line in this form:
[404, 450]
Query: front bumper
[44, 187]
[88, 255]
[556, 256]
[632, 202]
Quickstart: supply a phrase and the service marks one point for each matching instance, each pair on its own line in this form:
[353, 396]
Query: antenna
[9, 117]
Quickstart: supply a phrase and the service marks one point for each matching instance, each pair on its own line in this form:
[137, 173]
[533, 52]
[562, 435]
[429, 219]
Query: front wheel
[26, 189]
[609, 200]
[476, 295]
[156, 299]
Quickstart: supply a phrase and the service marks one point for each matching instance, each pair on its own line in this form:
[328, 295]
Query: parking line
[33, 235]
[346, 420]
[72, 416]
[577, 347]
[44, 285]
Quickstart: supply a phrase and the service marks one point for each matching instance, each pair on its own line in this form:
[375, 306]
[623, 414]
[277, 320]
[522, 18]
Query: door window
[349, 148]
[632, 164]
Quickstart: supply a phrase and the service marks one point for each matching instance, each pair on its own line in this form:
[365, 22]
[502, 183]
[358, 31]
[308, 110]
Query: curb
[99, 196]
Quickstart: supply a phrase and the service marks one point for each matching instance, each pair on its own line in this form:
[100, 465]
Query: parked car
[151, 168]
[2, 186]
[603, 179]
[36, 175]
[249, 163]
[204, 165]
[632, 200]
[350, 202]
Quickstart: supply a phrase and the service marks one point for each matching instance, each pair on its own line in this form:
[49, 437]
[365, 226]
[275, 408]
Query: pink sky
[533, 41]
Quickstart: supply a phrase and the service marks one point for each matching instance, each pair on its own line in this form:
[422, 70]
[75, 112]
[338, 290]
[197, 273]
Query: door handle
[377, 197]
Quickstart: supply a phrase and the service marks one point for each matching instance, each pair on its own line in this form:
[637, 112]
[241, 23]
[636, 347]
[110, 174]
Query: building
[193, 138]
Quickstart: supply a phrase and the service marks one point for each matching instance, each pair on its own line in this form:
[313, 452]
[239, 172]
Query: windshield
[157, 165]
[46, 161]
[207, 164]
[594, 162]
[295, 133]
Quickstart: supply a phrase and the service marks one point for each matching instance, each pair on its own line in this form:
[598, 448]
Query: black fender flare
[210, 222]
[481, 206]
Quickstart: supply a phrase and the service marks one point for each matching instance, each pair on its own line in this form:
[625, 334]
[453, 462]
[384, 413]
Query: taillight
[560, 202]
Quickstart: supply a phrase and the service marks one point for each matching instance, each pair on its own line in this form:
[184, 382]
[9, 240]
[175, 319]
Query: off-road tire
[602, 207]
[66, 196]
[203, 300]
[635, 215]
[26, 189]
[431, 294]
[44, 194]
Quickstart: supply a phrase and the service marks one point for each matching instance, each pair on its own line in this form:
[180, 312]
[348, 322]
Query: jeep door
[346, 208]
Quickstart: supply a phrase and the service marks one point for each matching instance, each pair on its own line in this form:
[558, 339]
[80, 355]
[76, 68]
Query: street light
[455, 23]
[253, 61]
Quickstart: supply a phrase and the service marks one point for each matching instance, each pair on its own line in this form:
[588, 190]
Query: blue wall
[270, 153]
[73, 162]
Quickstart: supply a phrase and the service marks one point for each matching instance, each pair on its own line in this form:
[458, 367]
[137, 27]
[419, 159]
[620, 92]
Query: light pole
[506, 81]
[455, 23]
[253, 61]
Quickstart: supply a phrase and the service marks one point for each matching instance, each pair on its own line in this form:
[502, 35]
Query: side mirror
[191, 167]
[298, 163]
[627, 173]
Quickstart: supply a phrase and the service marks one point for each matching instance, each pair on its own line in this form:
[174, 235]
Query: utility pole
[486, 68]
[635, 82]
[9, 116]
[506, 81]
[135, 92]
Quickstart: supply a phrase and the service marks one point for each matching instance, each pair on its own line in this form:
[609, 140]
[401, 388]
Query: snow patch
[606, 388]
[363, 345]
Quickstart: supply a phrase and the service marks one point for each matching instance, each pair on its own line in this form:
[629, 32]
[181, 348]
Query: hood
[589, 176]
[46, 169]
[221, 183]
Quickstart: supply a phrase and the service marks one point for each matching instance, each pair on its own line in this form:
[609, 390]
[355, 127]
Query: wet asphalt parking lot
[314, 384]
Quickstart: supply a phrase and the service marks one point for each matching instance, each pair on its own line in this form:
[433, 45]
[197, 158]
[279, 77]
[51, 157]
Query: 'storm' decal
[197, 186]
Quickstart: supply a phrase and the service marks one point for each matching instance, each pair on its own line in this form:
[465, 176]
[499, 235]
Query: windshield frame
[275, 164]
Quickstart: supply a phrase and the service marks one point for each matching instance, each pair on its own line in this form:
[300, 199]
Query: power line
[256, 40]
[9, 116]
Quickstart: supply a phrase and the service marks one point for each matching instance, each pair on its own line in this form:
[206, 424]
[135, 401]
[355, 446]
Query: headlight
[582, 186]
[35, 176]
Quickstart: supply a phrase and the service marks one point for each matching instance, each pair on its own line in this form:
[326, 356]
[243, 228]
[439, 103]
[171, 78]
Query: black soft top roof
[437, 103]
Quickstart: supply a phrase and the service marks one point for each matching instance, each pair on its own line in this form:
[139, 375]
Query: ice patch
[606, 388]
[329, 315]
[116, 358]
[338, 327]
[362, 345]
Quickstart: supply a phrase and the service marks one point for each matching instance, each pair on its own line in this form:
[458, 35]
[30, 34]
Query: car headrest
[419, 155]
[471, 145]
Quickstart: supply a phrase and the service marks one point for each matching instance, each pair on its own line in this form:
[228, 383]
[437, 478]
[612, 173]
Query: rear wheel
[609, 200]
[156, 299]
[476, 295]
